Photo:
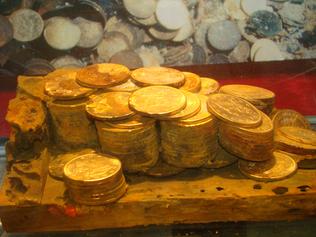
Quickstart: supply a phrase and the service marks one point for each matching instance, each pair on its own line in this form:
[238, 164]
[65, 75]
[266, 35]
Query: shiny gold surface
[279, 167]
[288, 117]
[192, 82]
[103, 75]
[301, 135]
[110, 106]
[157, 101]
[234, 110]
[158, 76]
[208, 86]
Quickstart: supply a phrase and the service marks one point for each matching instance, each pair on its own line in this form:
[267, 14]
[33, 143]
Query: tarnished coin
[290, 118]
[162, 169]
[158, 76]
[234, 110]
[91, 168]
[33, 86]
[192, 107]
[279, 167]
[65, 87]
[110, 106]
[27, 25]
[208, 86]
[160, 33]
[103, 75]
[157, 101]
[247, 92]
[192, 82]
[128, 86]
[302, 135]
[222, 159]
[56, 166]
[140, 8]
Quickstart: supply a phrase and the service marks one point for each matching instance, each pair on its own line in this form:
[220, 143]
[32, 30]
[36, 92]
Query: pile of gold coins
[159, 121]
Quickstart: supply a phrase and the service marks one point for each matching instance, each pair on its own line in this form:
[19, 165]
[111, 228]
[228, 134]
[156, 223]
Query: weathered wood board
[195, 196]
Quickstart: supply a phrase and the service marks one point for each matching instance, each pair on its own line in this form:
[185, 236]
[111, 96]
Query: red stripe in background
[294, 92]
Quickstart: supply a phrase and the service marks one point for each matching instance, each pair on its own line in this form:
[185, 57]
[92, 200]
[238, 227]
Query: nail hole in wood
[257, 186]
[219, 188]
[202, 190]
[304, 188]
[280, 190]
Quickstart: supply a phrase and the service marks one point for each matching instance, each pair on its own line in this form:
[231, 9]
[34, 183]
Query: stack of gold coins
[261, 98]
[70, 125]
[243, 130]
[190, 142]
[94, 179]
[132, 138]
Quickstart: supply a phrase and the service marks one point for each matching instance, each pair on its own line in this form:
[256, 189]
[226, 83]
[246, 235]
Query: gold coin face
[201, 116]
[247, 92]
[157, 101]
[32, 85]
[192, 107]
[91, 167]
[279, 167]
[208, 86]
[301, 135]
[192, 82]
[291, 118]
[56, 166]
[265, 127]
[103, 75]
[234, 110]
[158, 76]
[110, 106]
[63, 87]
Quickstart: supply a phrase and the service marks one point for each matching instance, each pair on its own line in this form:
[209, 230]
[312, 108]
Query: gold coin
[281, 166]
[201, 116]
[91, 168]
[162, 169]
[65, 88]
[33, 86]
[127, 86]
[158, 76]
[110, 106]
[291, 118]
[208, 86]
[157, 101]
[56, 165]
[192, 107]
[192, 82]
[265, 127]
[222, 159]
[302, 135]
[248, 92]
[103, 75]
[234, 110]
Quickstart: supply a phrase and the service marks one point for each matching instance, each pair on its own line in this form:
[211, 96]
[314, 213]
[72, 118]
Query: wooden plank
[195, 196]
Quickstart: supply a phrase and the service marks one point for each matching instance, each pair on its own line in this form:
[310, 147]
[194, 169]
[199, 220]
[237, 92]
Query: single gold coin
[162, 169]
[208, 86]
[128, 86]
[192, 82]
[222, 159]
[290, 118]
[234, 110]
[92, 168]
[193, 106]
[201, 116]
[32, 85]
[110, 106]
[158, 76]
[56, 165]
[301, 135]
[265, 127]
[103, 75]
[157, 101]
[248, 92]
[281, 166]
[65, 88]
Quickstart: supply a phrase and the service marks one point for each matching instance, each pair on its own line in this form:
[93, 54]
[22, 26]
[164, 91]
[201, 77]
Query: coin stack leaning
[130, 137]
[94, 179]
[190, 142]
[261, 98]
[243, 130]
[66, 105]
